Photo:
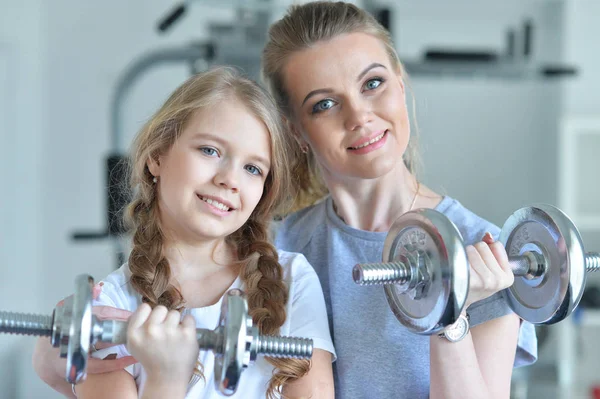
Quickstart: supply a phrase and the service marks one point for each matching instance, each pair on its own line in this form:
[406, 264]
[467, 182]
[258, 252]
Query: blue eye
[209, 151]
[323, 105]
[253, 170]
[373, 83]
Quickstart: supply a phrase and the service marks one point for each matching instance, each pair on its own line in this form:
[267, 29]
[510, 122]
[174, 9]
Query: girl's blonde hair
[262, 274]
[302, 27]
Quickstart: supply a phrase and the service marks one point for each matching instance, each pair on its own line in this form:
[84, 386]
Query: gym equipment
[425, 271]
[194, 55]
[235, 341]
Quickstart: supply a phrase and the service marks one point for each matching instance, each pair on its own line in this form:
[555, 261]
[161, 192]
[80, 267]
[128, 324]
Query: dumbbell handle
[115, 332]
[271, 346]
[529, 264]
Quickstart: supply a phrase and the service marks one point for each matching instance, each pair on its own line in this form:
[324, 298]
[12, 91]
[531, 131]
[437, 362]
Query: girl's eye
[323, 105]
[373, 83]
[209, 151]
[253, 170]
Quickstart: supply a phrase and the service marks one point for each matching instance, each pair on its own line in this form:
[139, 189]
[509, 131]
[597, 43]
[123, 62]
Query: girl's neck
[202, 273]
[202, 258]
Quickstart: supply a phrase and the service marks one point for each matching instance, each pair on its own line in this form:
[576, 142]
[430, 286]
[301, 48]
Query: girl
[209, 170]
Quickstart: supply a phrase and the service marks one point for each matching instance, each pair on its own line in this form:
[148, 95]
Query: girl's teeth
[215, 204]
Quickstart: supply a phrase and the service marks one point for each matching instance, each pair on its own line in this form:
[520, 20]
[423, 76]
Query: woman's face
[349, 106]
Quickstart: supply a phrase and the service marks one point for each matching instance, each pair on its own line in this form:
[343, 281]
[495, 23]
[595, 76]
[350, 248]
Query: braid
[267, 296]
[150, 270]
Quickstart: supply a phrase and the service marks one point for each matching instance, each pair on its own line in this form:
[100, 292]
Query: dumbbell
[235, 341]
[425, 271]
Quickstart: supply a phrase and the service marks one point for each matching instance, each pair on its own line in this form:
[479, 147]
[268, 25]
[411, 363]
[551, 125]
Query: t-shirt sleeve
[527, 348]
[308, 315]
[113, 296]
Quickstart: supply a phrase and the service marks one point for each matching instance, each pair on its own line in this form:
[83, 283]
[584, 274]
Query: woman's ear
[401, 81]
[295, 133]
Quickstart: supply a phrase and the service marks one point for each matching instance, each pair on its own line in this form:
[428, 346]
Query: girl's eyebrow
[218, 139]
[262, 161]
[211, 136]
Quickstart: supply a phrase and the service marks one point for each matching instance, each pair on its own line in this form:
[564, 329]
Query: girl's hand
[167, 348]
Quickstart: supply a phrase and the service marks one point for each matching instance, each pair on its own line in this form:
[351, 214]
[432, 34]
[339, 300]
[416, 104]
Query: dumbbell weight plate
[545, 229]
[78, 309]
[433, 233]
[232, 358]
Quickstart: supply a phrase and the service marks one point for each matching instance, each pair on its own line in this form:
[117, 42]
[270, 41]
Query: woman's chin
[377, 168]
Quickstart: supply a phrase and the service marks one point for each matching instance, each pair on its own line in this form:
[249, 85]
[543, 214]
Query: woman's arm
[479, 366]
[50, 367]
[116, 384]
[317, 383]
[121, 385]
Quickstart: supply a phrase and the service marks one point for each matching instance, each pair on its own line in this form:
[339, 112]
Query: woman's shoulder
[306, 215]
[471, 225]
[295, 229]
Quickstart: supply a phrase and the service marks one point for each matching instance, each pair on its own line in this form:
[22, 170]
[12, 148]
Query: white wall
[581, 46]
[489, 142]
[582, 96]
[21, 124]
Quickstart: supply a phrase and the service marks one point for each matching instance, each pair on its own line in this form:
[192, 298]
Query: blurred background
[507, 105]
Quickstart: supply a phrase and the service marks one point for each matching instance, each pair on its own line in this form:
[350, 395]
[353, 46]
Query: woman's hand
[166, 346]
[490, 270]
[50, 367]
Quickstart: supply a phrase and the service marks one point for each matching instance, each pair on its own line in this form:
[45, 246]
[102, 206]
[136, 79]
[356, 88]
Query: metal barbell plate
[434, 234]
[236, 326]
[79, 312]
[547, 230]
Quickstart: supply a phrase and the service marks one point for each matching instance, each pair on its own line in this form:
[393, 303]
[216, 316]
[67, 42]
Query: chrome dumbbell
[425, 271]
[235, 341]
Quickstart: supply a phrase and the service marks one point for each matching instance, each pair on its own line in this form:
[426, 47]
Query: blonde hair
[262, 274]
[302, 27]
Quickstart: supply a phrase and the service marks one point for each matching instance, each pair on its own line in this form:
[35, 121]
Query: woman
[335, 75]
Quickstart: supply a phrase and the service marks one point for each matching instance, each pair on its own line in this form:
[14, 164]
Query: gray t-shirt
[377, 357]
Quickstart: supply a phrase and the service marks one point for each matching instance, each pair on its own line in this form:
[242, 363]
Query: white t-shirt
[306, 318]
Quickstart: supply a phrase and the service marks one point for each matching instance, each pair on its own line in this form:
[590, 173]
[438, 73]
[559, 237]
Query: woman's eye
[253, 170]
[209, 151]
[323, 105]
[373, 83]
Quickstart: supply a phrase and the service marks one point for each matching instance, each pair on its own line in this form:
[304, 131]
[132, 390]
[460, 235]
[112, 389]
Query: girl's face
[213, 177]
[348, 104]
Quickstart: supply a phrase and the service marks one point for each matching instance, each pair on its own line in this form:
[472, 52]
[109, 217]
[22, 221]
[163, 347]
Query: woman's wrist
[156, 387]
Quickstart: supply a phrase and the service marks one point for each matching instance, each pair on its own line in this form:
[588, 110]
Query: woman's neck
[375, 204]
